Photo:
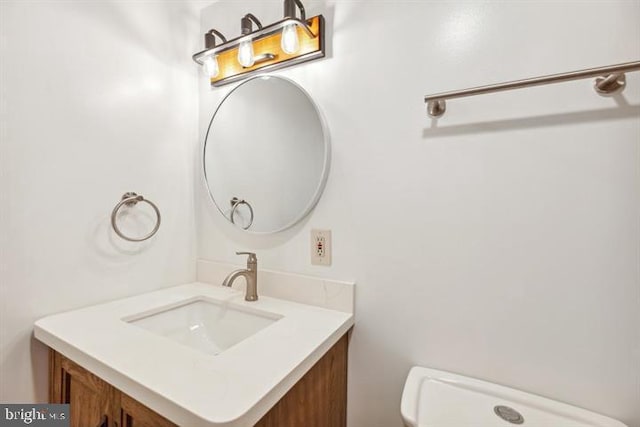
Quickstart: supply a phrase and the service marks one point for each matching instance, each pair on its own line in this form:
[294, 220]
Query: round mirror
[266, 155]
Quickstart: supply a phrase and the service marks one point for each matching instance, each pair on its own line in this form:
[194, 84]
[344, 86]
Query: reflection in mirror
[266, 155]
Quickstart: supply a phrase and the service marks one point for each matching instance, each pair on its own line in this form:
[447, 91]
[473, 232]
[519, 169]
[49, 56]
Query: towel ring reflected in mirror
[235, 202]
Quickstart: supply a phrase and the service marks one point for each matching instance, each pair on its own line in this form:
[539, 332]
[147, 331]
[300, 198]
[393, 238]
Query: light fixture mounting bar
[263, 58]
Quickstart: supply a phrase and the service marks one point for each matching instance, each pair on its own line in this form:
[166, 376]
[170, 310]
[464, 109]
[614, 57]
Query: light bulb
[210, 66]
[289, 41]
[245, 53]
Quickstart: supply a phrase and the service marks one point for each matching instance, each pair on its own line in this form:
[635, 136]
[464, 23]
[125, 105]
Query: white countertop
[232, 389]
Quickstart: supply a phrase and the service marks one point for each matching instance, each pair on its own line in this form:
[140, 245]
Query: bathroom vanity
[317, 399]
[149, 360]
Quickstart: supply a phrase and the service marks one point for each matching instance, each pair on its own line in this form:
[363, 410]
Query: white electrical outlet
[321, 247]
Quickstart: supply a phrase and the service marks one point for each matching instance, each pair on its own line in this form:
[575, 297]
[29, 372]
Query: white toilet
[433, 398]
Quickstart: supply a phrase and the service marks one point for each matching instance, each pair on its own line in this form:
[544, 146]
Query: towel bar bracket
[610, 85]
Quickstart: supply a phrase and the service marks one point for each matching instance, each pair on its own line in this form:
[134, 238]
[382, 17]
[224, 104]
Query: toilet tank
[433, 398]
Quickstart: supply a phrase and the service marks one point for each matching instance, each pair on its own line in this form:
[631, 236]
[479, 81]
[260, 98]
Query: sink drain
[508, 414]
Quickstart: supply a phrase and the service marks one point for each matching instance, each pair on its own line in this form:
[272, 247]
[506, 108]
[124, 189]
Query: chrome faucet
[250, 275]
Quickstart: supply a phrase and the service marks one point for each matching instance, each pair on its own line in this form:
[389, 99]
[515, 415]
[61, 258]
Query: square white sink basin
[203, 324]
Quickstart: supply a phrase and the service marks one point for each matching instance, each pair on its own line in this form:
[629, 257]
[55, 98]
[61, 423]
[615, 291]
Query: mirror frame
[326, 164]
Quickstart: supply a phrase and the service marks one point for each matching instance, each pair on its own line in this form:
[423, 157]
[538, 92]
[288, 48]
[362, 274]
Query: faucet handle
[252, 257]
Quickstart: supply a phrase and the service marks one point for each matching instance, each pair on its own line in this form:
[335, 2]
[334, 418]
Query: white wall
[500, 242]
[98, 98]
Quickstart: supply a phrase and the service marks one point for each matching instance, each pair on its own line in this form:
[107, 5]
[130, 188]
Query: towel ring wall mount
[131, 199]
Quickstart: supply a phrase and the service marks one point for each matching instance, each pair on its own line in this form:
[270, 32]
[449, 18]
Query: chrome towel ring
[235, 202]
[131, 199]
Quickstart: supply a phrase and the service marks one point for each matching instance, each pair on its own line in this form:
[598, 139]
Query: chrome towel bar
[131, 199]
[610, 79]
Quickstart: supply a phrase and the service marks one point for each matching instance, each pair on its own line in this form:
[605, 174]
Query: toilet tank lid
[434, 398]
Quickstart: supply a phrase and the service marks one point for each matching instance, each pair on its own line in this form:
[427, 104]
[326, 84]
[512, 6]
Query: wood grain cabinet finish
[94, 401]
[319, 399]
[135, 414]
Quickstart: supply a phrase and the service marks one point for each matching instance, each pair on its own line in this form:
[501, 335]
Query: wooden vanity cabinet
[94, 402]
[319, 399]
[135, 414]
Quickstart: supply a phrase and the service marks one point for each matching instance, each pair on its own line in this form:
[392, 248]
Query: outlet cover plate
[321, 247]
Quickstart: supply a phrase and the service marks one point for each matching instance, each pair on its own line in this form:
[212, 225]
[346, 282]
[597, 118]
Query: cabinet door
[135, 414]
[93, 401]
[319, 399]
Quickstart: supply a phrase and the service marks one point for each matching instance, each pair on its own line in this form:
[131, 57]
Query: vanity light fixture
[289, 41]
[210, 62]
[245, 50]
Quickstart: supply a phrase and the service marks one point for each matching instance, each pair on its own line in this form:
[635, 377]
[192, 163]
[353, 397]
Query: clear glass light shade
[245, 53]
[210, 66]
[289, 42]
